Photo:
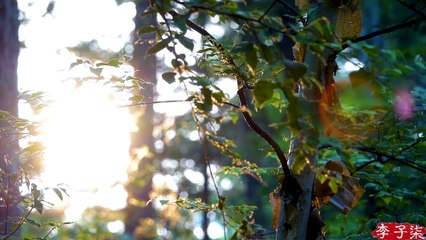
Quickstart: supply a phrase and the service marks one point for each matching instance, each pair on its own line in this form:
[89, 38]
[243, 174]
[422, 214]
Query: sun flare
[87, 140]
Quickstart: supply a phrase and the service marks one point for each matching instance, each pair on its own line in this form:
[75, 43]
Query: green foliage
[364, 132]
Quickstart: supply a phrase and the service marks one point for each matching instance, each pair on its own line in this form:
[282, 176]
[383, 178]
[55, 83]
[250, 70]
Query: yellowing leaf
[348, 24]
[303, 4]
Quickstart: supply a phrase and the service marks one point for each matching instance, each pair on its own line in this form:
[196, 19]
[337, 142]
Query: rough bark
[9, 52]
[137, 217]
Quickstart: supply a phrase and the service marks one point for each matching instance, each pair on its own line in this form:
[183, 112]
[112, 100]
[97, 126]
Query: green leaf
[38, 206]
[113, 63]
[207, 94]
[137, 98]
[78, 62]
[146, 29]
[164, 202]
[186, 42]
[251, 58]
[96, 71]
[218, 96]
[334, 46]
[299, 163]
[58, 193]
[359, 77]
[176, 63]
[334, 184]
[234, 117]
[158, 46]
[263, 91]
[266, 53]
[419, 63]
[321, 177]
[169, 77]
[148, 11]
[32, 222]
[34, 147]
[297, 70]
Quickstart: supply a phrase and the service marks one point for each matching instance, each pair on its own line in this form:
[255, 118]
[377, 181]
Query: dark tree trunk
[141, 185]
[9, 52]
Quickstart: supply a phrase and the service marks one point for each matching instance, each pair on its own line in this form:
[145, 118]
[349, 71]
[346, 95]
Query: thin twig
[291, 9]
[201, 134]
[232, 15]
[419, 140]
[170, 101]
[391, 157]
[153, 102]
[364, 165]
[20, 223]
[379, 155]
[412, 8]
[267, 11]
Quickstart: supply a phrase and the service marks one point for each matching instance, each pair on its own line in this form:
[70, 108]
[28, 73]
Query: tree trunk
[9, 163]
[139, 219]
[300, 220]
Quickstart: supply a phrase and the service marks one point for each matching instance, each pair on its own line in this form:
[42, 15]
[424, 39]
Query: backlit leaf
[169, 77]
[96, 71]
[297, 70]
[186, 42]
[251, 58]
[32, 222]
[158, 46]
[263, 91]
[58, 193]
[146, 29]
[38, 206]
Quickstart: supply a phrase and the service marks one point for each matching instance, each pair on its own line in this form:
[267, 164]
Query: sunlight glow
[116, 226]
[352, 65]
[215, 230]
[87, 141]
[86, 136]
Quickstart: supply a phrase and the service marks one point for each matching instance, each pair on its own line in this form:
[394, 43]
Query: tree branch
[290, 8]
[267, 11]
[412, 8]
[405, 162]
[171, 101]
[292, 185]
[386, 30]
[232, 15]
[380, 156]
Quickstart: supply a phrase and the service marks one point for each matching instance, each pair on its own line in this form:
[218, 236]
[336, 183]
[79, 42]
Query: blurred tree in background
[9, 147]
